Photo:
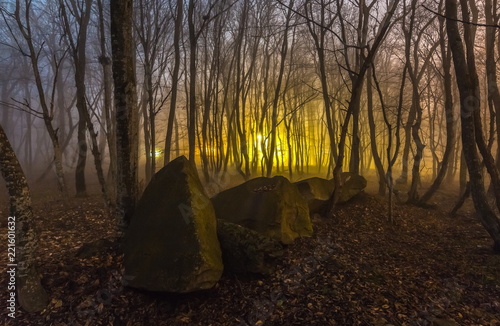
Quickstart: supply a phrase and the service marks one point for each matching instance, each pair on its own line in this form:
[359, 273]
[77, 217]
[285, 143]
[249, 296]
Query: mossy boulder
[317, 191]
[271, 206]
[171, 244]
[247, 251]
[352, 185]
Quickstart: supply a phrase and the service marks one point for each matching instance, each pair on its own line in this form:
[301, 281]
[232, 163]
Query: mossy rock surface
[171, 244]
[247, 251]
[271, 206]
[317, 191]
[352, 185]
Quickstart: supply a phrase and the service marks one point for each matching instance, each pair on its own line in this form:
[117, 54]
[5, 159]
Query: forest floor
[357, 269]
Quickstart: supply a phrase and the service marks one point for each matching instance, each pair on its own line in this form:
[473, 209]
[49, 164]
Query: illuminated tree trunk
[240, 92]
[319, 43]
[278, 90]
[30, 293]
[467, 82]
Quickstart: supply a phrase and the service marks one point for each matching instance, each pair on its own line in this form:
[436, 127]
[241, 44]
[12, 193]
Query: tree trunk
[469, 104]
[373, 139]
[105, 61]
[448, 108]
[80, 185]
[193, 40]
[355, 101]
[122, 45]
[31, 295]
[175, 80]
[277, 91]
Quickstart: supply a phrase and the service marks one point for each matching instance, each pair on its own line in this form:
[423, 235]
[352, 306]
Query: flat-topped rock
[271, 206]
[316, 191]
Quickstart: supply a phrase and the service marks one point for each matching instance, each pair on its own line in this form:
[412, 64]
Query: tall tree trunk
[491, 67]
[79, 56]
[107, 72]
[469, 103]
[355, 100]
[448, 111]
[373, 139]
[193, 42]
[127, 115]
[175, 80]
[277, 91]
[31, 295]
[80, 184]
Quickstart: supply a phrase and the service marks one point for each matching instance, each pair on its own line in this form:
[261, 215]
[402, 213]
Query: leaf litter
[357, 269]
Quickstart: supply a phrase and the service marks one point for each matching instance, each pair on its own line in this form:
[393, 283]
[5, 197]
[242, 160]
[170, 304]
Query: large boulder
[247, 251]
[352, 185]
[271, 206]
[316, 191]
[171, 244]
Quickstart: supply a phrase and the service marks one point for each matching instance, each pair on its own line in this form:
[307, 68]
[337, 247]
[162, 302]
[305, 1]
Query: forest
[250, 162]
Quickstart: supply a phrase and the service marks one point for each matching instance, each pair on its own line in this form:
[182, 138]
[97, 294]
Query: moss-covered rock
[317, 191]
[247, 251]
[171, 244]
[271, 206]
[352, 185]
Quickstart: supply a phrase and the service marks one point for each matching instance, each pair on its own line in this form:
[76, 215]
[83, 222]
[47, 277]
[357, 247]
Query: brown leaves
[356, 270]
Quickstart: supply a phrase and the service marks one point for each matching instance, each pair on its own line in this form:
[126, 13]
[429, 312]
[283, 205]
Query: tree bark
[373, 139]
[127, 115]
[175, 80]
[469, 104]
[31, 295]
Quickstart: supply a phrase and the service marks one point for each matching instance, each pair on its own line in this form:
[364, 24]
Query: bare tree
[355, 99]
[468, 86]
[81, 12]
[26, 39]
[449, 116]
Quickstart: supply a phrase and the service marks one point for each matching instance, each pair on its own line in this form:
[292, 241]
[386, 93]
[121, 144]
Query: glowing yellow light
[157, 153]
[259, 138]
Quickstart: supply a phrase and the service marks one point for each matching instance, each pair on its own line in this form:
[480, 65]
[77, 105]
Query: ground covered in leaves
[357, 269]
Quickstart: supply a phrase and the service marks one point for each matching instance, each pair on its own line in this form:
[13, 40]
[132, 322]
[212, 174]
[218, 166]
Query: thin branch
[20, 107]
[320, 26]
[459, 20]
